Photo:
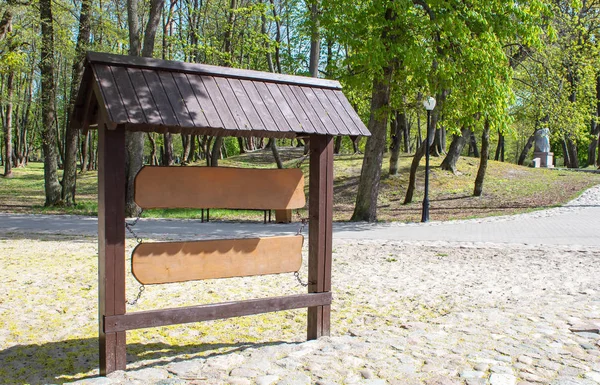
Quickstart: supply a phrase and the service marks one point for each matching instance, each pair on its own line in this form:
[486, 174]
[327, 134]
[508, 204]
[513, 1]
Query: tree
[72, 134]
[135, 140]
[52, 186]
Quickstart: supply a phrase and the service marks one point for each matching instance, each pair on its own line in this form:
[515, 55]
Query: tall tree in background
[52, 186]
[72, 134]
[135, 140]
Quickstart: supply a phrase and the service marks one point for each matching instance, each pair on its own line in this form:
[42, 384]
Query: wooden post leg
[320, 202]
[111, 243]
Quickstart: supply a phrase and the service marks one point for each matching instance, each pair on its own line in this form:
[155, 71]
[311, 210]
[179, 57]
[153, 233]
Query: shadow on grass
[58, 362]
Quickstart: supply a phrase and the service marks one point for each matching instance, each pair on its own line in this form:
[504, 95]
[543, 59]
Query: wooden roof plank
[248, 106]
[258, 104]
[204, 69]
[352, 112]
[189, 98]
[175, 98]
[232, 102]
[344, 115]
[332, 112]
[214, 93]
[328, 121]
[310, 111]
[128, 96]
[163, 104]
[271, 104]
[106, 83]
[205, 102]
[297, 108]
[285, 109]
[144, 96]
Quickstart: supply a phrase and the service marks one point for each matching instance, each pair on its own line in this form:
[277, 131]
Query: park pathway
[575, 224]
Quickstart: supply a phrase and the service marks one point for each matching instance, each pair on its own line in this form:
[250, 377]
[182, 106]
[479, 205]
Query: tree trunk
[84, 151]
[216, 151]
[456, 147]
[187, 146]
[167, 159]
[52, 186]
[135, 140]
[526, 149]
[473, 145]
[315, 39]
[69, 180]
[485, 153]
[573, 155]
[153, 157]
[337, 145]
[273, 145]
[370, 175]
[406, 137]
[8, 127]
[595, 128]
[412, 178]
[500, 148]
[241, 145]
[397, 127]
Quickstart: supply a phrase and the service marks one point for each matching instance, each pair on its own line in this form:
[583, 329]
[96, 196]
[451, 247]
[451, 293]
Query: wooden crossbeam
[219, 187]
[154, 318]
[168, 262]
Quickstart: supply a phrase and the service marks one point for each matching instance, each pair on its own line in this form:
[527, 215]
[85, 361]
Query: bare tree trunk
[134, 141]
[337, 145]
[526, 148]
[370, 175]
[406, 137]
[456, 147]
[216, 151]
[186, 144]
[595, 128]
[69, 180]
[315, 39]
[500, 148]
[573, 154]
[52, 186]
[167, 159]
[483, 162]
[473, 145]
[8, 154]
[153, 157]
[272, 143]
[397, 127]
[412, 178]
[84, 151]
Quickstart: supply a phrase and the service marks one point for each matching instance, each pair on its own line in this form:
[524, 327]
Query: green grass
[508, 189]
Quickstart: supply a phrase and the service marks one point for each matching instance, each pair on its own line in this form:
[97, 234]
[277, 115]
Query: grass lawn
[508, 189]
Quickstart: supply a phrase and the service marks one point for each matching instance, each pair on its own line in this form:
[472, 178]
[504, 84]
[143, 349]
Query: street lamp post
[429, 105]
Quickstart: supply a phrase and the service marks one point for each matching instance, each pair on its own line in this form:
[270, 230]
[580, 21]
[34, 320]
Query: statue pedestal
[543, 159]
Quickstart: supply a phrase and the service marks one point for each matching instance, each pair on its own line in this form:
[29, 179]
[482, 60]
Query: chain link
[129, 227]
[299, 163]
[297, 275]
[137, 297]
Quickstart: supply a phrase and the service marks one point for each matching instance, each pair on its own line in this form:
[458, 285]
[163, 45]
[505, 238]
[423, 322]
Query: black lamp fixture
[429, 104]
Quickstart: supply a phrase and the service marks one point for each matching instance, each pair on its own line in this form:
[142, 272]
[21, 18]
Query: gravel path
[405, 312]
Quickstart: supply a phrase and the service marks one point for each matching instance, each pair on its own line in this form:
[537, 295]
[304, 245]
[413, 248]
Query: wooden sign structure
[122, 93]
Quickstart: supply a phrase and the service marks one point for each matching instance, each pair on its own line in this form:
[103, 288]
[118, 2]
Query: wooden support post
[320, 231]
[111, 243]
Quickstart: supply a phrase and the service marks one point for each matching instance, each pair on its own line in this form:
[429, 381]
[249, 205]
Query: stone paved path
[499, 301]
[570, 225]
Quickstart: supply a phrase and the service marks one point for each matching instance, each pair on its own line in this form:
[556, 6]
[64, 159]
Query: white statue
[542, 140]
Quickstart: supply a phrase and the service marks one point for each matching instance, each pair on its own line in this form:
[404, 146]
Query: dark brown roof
[144, 94]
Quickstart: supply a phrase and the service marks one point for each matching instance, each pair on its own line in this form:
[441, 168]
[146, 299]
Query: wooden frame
[120, 93]
[114, 321]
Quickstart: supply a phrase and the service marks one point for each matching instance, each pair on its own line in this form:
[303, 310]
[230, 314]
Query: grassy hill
[508, 189]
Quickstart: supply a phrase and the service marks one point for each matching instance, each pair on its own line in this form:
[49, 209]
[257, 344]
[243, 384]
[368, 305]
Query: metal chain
[129, 227]
[297, 275]
[299, 163]
[137, 297]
